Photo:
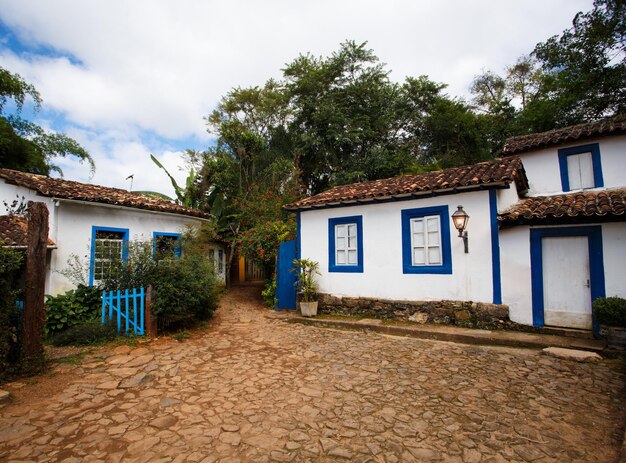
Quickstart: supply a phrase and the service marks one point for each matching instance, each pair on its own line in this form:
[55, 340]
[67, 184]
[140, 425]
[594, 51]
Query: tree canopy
[341, 119]
[25, 145]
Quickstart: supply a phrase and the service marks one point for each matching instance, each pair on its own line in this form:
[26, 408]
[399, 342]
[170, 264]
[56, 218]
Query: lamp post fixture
[460, 219]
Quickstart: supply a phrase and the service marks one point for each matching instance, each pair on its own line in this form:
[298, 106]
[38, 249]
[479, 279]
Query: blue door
[285, 278]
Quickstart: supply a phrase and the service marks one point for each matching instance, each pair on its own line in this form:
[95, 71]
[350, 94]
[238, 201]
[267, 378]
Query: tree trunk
[34, 311]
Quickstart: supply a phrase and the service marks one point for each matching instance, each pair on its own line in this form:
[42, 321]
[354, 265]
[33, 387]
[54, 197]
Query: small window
[426, 240]
[166, 245]
[580, 167]
[345, 244]
[108, 248]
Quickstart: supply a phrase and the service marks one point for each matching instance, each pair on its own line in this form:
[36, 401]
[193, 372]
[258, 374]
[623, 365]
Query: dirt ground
[251, 387]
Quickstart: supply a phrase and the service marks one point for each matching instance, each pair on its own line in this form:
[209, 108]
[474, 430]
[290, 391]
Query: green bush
[72, 308]
[10, 329]
[185, 290]
[85, 333]
[269, 293]
[610, 311]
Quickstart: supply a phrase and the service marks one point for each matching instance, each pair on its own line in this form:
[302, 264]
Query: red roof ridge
[585, 203]
[78, 191]
[502, 170]
[523, 143]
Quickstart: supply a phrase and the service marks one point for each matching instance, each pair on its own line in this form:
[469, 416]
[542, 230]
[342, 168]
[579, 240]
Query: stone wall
[463, 313]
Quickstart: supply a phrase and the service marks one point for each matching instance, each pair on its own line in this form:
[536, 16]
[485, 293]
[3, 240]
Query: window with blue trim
[580, 167]
[426, 240]
[345, 244]
[109, 246]
[166, 244]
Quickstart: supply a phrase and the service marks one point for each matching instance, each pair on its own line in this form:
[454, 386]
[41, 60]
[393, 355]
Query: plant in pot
[306, 270]
[611, 314]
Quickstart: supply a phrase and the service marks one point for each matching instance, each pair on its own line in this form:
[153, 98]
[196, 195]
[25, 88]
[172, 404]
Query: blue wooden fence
[126, 307]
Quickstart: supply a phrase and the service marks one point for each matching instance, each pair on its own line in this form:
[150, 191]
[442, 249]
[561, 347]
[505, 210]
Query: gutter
[117, 206]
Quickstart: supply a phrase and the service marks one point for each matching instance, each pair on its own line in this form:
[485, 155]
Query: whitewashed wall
[382, 276]
[71, 224]
[516, 278]
[516, 271]
[542, 166]
[614, 243]
[507, 197]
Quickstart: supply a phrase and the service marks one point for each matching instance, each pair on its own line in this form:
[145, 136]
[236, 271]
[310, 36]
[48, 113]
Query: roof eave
[399, 196]
[135, 208]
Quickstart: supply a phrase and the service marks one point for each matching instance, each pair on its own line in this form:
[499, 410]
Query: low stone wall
[462, 313]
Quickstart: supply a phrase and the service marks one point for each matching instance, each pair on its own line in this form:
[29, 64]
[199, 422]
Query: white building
[548, 214]
[95, 223]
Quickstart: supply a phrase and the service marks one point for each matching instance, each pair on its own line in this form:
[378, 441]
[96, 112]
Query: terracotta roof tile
[67, 189]
[606, 203]
[14, 230]
[504, 170]
[573, 133]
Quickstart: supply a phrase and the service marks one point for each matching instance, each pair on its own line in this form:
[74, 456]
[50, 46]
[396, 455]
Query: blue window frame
[596, 266]
[107, 245]
[576, 153]
[345, 244]
[426, 240]
[166, 242]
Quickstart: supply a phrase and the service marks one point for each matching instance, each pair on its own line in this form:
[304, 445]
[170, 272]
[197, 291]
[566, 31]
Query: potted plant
[306, 270]
[611, 314]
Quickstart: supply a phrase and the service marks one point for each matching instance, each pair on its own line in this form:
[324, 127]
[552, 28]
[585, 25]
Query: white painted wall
[542, 166]
[506, 197]
[71, 224]
[515, 268]
[516, 272]
[614, 245]
[471, 277]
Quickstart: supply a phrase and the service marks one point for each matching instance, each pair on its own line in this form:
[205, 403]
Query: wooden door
[566, 282]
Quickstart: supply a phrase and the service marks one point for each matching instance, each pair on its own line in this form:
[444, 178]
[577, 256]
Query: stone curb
[461, 335]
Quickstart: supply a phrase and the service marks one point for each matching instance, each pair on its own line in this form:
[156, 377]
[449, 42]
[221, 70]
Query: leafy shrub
[185, 290]
[610, 311]
[85, 333]
[10, 264]
[269, 293]
[72, 308]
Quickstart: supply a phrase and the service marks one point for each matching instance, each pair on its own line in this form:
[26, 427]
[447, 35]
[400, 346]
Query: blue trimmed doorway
[567, 268]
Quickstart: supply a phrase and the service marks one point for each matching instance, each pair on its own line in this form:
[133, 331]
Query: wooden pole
[151, 322]
[34, 310]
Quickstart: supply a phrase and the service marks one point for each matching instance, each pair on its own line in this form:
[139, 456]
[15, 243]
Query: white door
[566, 288]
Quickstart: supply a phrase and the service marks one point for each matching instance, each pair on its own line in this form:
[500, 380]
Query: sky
[131, 78]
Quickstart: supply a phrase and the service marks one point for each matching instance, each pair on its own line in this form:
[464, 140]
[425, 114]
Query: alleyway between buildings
[252, 388]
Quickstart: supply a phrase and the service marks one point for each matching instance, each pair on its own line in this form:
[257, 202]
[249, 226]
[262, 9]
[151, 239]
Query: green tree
[345, 123]
[25, 145]
[583, 69]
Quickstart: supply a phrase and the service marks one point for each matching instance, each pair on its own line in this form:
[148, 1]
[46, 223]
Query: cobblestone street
[254, 388]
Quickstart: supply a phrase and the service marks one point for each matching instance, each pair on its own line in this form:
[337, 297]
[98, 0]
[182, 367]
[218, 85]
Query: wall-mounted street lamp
[460, 219]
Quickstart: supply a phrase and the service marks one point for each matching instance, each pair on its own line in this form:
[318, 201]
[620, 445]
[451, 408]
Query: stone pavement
[254, 388]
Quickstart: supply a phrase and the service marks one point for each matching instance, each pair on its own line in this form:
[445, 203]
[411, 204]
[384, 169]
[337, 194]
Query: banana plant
[183, 195]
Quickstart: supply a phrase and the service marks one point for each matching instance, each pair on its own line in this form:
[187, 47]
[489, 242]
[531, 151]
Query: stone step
[461, 335]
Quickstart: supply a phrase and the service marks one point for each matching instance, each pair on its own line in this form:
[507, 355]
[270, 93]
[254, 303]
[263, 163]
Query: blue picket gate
[126, 307]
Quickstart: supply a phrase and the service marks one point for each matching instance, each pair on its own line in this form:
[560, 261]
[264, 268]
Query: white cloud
[154, 68]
